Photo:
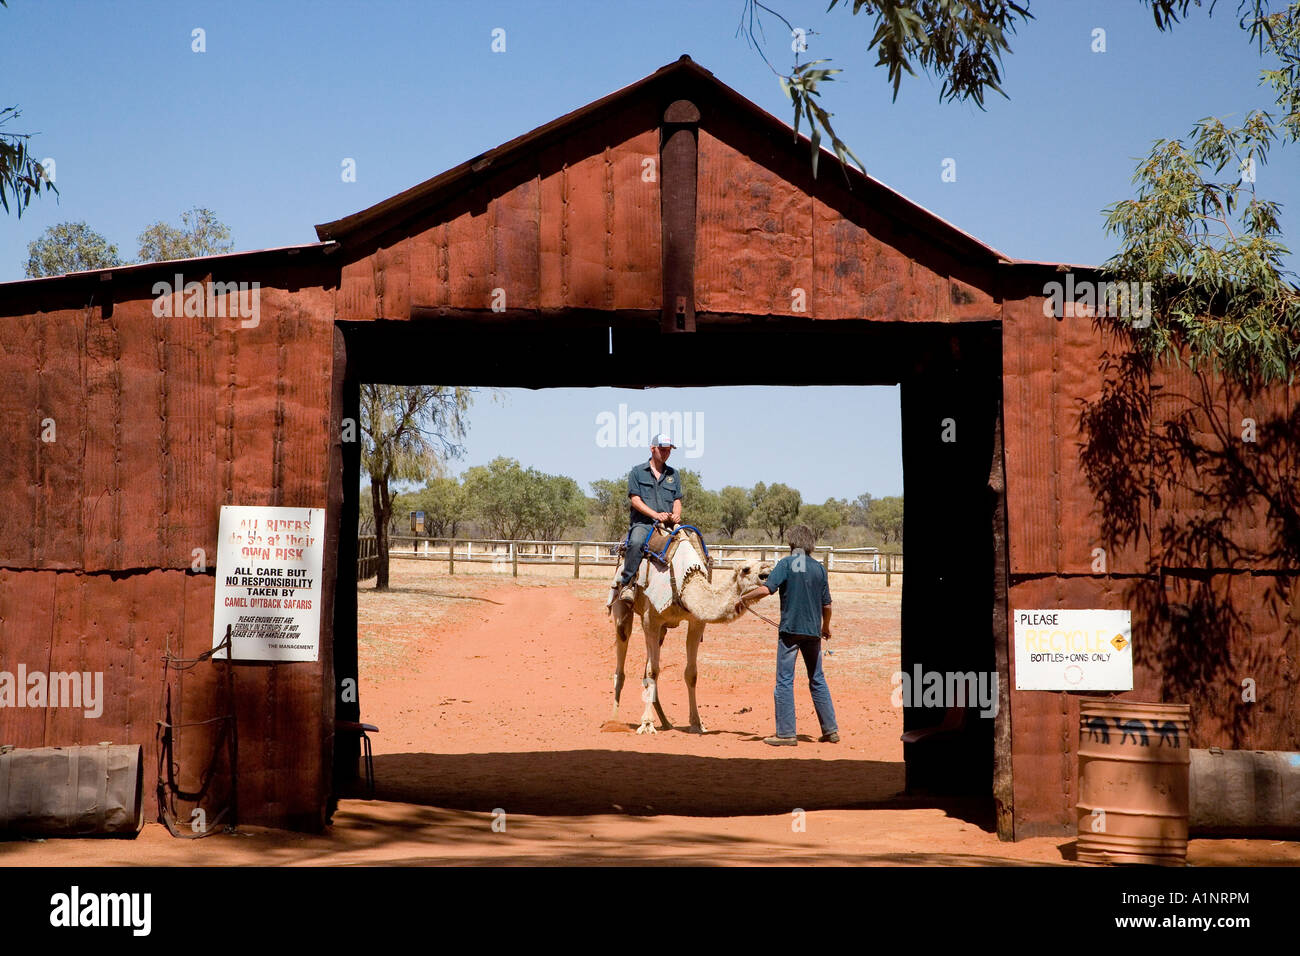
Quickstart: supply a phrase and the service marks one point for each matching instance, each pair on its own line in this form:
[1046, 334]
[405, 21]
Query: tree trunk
[383, 506]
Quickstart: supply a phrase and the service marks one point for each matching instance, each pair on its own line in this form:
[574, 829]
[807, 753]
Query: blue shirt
[804, 589]
[658, 495]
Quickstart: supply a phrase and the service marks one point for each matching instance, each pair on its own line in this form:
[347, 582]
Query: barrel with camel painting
[1133, 781]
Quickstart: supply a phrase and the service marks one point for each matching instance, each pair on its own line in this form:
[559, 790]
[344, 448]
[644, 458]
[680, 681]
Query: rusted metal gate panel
[1077, 482]
[357, 296]
[160, 420]
[305, 347]
[90, 624]
[1101, 507]
[71, 650]
[764, 233]
[634, 223]
[19, 468]
[142, 450]
[200, 702]
[469, 250]
[1226, 472]
[553, 228]
[587, 276]
[754, 235]
[102, 479]
[27, 617]
[1072, 489]
[250, 402]
[196, 364]
[1033, 477]
[58, 398]
[516, 247]
[1231, 649]
[574, 226]
[1044, 745]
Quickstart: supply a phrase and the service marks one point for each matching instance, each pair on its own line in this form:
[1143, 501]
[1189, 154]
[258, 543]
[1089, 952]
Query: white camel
[699, 602]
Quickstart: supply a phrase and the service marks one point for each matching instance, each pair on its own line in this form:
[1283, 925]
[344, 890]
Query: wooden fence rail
[501, 553]
[367, 557]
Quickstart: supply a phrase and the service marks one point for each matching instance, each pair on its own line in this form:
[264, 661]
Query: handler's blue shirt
[658, 495]
[805, 590]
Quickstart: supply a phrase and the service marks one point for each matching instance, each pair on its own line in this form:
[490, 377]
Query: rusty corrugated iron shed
[169, 420]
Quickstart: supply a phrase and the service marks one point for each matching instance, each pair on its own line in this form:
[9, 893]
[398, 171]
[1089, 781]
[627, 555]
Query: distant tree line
[506, 500]
[75, 247]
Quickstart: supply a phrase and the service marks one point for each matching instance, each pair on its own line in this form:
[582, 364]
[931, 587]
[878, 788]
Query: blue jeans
[789, 647]
[632, 560]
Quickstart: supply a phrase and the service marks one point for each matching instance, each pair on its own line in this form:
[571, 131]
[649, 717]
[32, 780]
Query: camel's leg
[694, 635]
[622, 632]
[654, 635]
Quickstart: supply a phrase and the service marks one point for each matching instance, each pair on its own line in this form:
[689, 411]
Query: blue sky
[829, 442]
[256, 128]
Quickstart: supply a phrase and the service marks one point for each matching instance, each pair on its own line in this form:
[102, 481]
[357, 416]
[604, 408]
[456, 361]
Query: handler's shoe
[781, 741]
[832, 738]
[613, 593]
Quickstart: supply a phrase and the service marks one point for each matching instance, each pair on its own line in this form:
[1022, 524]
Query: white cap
[662, 440]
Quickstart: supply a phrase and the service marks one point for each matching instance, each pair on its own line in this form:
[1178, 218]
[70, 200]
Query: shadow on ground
[585, 782]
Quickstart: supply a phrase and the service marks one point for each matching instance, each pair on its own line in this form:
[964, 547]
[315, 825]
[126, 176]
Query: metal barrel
[72, 791]
[1133, 782]
[1245, 793]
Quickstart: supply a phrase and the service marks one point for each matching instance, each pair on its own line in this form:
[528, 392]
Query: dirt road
[492, 696]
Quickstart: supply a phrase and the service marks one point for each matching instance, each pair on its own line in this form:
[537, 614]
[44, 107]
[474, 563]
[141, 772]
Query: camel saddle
[666, 568]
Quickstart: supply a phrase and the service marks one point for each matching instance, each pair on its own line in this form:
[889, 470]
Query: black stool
[352, 727]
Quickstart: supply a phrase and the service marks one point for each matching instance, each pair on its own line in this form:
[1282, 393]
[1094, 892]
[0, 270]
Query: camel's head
[751, 574]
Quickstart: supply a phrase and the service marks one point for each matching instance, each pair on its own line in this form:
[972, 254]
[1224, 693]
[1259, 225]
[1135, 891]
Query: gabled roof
[682, 75]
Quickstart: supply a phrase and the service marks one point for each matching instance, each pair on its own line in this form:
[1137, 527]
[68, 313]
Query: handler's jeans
[632, 560]
[789, 647]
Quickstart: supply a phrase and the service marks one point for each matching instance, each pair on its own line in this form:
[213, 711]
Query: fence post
[830, 559]
[577, 549]
[514, 559]
[889, 564]
[451, 556]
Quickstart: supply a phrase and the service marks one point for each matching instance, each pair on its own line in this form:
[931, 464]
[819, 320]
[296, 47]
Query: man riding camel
[654, 492]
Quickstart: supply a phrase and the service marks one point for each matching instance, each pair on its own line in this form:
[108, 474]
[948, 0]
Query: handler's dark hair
[801, 536]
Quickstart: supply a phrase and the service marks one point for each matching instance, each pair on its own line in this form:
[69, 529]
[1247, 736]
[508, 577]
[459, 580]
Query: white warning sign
[269, 582]
[1074, 650]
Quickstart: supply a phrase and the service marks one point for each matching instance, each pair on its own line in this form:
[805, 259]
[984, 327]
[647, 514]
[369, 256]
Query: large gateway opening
[489, 661]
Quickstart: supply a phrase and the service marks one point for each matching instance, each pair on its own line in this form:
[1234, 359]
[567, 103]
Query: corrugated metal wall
[763, 232]
[575, 227]
[158, 422]
[1197, 528]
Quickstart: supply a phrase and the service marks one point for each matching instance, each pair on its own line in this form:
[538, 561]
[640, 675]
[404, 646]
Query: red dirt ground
[492, 696]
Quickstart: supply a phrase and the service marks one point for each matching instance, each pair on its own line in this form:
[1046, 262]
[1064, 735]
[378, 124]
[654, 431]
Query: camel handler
[805, 622]
[655, 494]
